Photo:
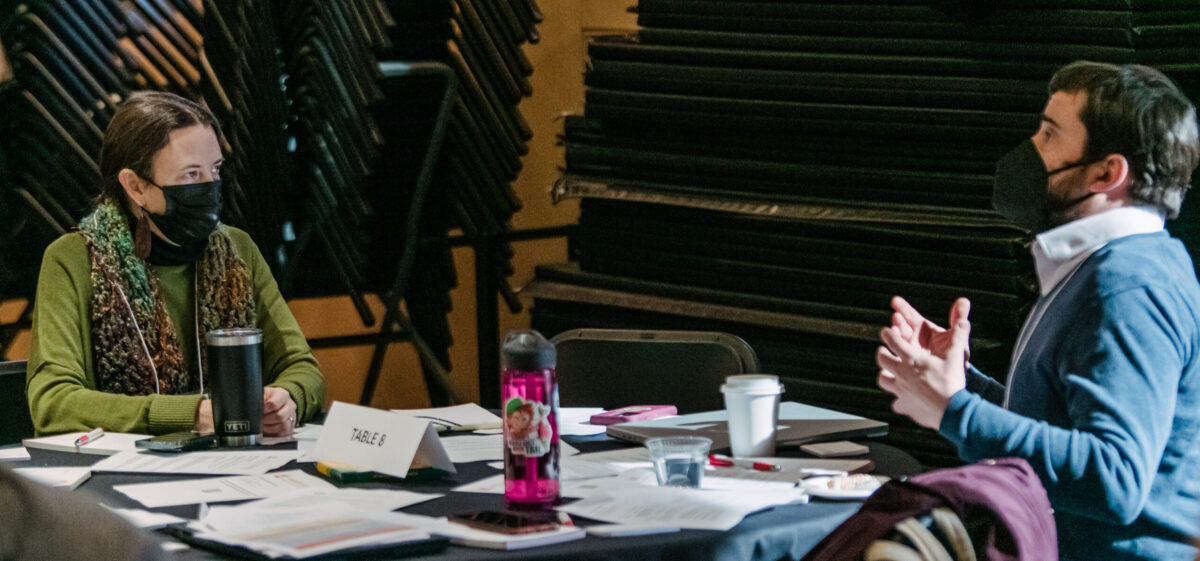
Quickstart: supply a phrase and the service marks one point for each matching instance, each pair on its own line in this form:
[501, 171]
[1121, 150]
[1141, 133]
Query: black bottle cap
[527, 351]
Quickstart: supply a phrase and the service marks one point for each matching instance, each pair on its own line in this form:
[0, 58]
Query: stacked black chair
[778, 170]
[486, 137]
[72, 63]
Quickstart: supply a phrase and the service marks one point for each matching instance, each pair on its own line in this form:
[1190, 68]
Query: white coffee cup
[752, 403]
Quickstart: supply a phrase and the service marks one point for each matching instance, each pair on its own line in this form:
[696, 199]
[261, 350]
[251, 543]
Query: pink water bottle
[529, 402]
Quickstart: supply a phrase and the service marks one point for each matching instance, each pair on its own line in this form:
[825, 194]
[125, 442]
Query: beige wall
[558, 61]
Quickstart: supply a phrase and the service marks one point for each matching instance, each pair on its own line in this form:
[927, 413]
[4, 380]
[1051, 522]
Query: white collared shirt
[1058, 253]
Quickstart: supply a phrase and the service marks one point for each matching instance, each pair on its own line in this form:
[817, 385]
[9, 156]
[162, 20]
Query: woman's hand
[204, 417]
[279, 412]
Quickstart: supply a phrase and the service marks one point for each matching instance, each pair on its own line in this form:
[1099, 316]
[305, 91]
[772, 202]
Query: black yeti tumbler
[235, 374]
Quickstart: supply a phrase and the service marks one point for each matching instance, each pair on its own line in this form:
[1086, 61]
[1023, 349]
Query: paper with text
[241, 462]
[222, 489]
[697, 509]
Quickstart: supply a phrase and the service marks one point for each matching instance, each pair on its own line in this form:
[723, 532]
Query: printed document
[697, 509]
[244, 462]
[222, 489]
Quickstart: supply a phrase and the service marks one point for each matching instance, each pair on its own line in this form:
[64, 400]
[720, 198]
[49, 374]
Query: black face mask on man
[1021, 189]
[192, 213]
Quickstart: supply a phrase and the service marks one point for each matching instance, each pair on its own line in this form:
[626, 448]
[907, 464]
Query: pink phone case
[632, 413]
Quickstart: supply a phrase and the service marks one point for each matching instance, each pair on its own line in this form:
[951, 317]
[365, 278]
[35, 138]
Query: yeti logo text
[237, 426]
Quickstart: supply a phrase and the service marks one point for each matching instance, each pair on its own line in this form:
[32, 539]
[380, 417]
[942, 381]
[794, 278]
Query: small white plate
[832, 487]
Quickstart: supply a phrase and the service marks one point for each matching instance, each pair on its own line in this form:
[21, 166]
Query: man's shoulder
[1155, 262]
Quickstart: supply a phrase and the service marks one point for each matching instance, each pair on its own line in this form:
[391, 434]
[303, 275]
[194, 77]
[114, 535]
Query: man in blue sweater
[1103, 393]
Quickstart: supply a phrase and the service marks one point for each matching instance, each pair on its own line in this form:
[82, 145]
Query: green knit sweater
[61, 382]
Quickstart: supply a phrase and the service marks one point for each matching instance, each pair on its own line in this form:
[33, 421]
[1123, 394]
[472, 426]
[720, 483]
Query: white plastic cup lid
[752, 383]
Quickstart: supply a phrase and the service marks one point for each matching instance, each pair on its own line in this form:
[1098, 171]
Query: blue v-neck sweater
[1105, 404]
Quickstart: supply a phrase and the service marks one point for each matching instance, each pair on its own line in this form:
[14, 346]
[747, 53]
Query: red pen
[719, 460]
[86, 438]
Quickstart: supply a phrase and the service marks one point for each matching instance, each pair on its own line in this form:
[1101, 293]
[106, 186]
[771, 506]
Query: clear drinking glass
[679, 460]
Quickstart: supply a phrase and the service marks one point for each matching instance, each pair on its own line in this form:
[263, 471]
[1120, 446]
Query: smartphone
[179, 442]
[504, 522]
[632, 413]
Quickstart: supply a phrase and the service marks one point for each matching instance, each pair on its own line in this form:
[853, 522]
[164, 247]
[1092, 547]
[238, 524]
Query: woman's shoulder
[238, 237]
[71, 246]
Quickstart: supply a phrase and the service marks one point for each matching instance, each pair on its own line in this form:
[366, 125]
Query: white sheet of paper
[378, 440]
[245, 462]
[221, 489]
[574, 421]
[14, 454]
[70, 477]
[463, 417]
[573, 476]
[698, 509]
[381, 500]
[144, 518]
[487, 447]
[306, 440]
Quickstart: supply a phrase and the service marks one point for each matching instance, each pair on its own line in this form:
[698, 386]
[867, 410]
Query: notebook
[107, 445]
[798, 424]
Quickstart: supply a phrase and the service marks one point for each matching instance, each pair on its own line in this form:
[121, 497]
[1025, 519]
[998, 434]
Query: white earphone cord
[157, 386]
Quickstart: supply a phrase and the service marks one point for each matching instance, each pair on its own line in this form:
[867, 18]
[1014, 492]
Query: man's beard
[1063, 198]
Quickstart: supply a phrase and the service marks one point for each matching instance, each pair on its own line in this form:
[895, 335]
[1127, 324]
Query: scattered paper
[244, 462]
[306, 440]
[793, 469]
[381, 500]
[490, 447]
[571, 477]
[697, 509]
[221, 489]
[69, 477]
[144, 518]
[575, 421]
[14, 454]
[464, 417]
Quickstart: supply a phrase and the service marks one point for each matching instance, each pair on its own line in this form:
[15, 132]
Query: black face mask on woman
[193, 211]
[1021, 189]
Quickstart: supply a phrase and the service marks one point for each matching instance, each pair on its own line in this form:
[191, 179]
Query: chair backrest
[15, 423]
[613, 368]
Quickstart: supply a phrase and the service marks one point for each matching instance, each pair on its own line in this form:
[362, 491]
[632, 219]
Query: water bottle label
[527, 427]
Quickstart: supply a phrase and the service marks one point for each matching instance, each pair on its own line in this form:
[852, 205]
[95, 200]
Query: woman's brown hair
[140, 128]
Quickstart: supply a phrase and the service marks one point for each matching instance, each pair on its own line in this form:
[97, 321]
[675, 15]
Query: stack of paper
[304, 531]
[219, 462]
[108, 444]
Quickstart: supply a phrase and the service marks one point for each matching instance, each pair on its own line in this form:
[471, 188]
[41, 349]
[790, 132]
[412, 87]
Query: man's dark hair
[1138, 112]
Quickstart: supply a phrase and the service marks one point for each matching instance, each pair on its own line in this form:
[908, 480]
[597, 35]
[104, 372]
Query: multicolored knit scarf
[223, 290]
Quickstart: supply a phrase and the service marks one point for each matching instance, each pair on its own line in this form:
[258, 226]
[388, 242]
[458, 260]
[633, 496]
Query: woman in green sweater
[123, 304]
